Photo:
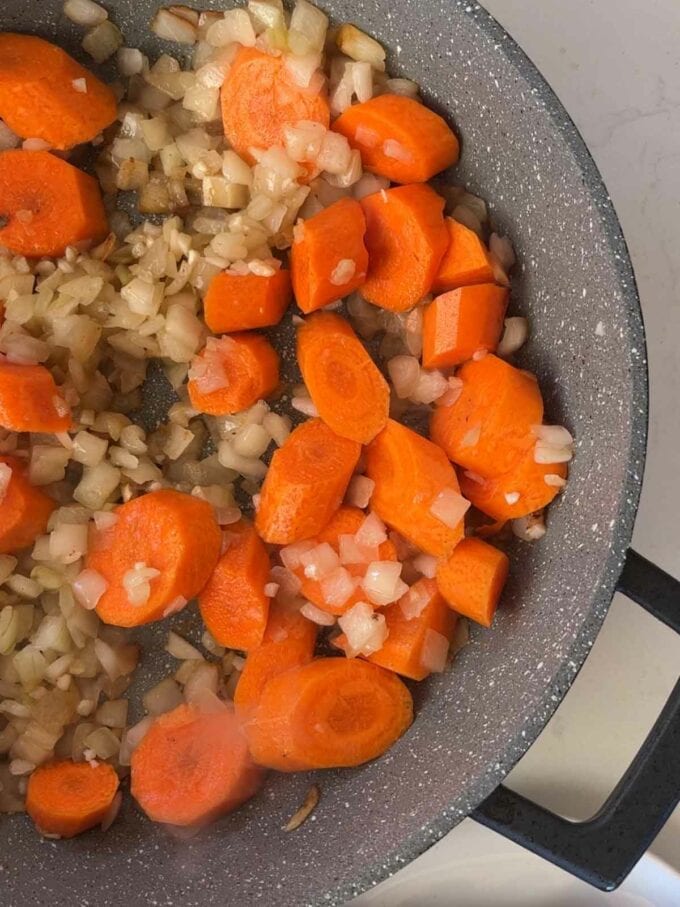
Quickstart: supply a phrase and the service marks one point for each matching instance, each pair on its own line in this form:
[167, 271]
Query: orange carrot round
[288, 642]
[24, 511]
[45, 94]
[488, 429]
[193, 766]
[346, 386]
[233, 605]
[67, 798]
[241, 302]
[471, 579]
[399, 138]
[49, 204]
[233, 372]
[328, 257]
[406, 240]
[465, 262]
[260, 98]
[173, 533]
[331, 713]
[462, 322]
[30, 400]
[305, 483]
[410, 475]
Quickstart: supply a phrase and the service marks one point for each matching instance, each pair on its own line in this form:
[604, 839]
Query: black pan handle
[604, 849]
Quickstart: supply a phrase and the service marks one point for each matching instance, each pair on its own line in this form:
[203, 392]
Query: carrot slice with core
[399, 138]
[346, 386]
[465, 262]
[328, 257]
[241, 302]
[260, 98]
[66, 798]
[305, 483]
[45, 94]
[458, 324]
[233, 372]
[174, 534]
[233, 605]
[30, 400]
[193, 766]
[471, 579]
[331, 713]
[24, 509]
[48, 204]
[406, 240]
[488, 428]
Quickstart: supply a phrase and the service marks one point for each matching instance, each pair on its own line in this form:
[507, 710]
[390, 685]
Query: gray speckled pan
[575, 283]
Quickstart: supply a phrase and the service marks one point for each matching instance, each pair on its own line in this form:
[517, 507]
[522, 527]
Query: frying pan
[576, 285]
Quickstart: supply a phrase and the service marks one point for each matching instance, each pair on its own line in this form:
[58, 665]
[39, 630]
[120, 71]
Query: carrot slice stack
[30, 400]
[466, 260]
[233, 372]
[462, 322]
[67, 798]
[471, 579]
[241, 302]
[25, 510]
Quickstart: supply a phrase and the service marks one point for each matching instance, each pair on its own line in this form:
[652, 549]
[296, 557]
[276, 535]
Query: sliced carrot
[462, 322]
[410, 473]
[45, 94]
[233, 372]
[328, 258]
[241, 302]
[260, 98]
[331, 713]
[399, 138]
[408, 637]
[488, 428]
[25, 509]
[173, 533]
[193, 766]
[48, 203]
[305, 483]
[288, 642]
[67, 798]
[347, 521]
[406, 240]
[471, 579]
[519, 492]
[345, 384]
[233, 605]
[30, 400]
[466, 261]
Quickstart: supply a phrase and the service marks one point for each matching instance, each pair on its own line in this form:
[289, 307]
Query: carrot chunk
[471, 579]
[232, 372]
[406, 240]
[413, 479]
[241, 302]
[172, 533]
[45, 94]
[48, 203]
[328, 258]
[527, 487]
[233, 605]
[305, 483]
[399, 138]
[30, 400]
[462, 322]
[346, 386]
[347, 521]
[465, 262]
[288, 642]
[193, 766]
[24, 510]
[488, 429]
[260, 98]
[67, 798]
[331, 713]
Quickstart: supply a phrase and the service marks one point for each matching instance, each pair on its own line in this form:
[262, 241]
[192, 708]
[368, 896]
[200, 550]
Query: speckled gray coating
[523, 153]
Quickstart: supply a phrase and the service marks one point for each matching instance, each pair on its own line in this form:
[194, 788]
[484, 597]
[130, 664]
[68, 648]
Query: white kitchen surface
[615, 64]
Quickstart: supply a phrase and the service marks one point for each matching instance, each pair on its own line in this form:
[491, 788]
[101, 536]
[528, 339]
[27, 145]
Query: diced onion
[371, 532]
[88, 588]
[365, 631]
[501, 247]
[425, 564]
[319, 561]
[132, 738]
[382, 583]
[554, 480]
[414, 602]
[316, 615]
[514, 336]
[359, 46]
[359, 491]
[85, 13]
[171, 27]
[180, 648]
[449, 507]
[435, 651]
[529, 528]
[343, 272]
[352, 553]
[337, 586]
[404, 372]
[291, 555]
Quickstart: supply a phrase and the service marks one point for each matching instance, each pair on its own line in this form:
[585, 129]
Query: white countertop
[615, 65]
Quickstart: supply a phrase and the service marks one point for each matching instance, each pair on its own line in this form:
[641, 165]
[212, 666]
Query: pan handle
[604, 849]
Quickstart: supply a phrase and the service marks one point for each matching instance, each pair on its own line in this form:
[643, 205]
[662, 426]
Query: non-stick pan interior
[575, 284]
